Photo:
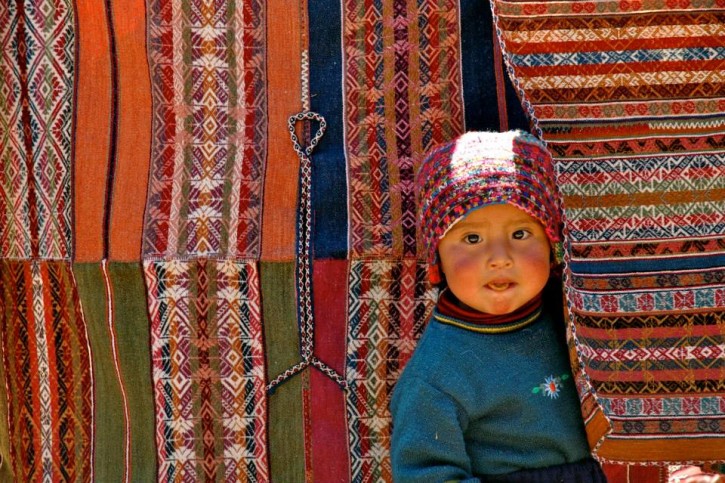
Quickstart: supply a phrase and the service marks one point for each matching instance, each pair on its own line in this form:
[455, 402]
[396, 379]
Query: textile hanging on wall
[629, 97]
[149, 199]
[202, 238]
[45, 352]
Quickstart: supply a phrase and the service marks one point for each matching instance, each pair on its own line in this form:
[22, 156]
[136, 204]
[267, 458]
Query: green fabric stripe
[6, 469]
[134, 350]
[279, 312]
[76, 362]
[108, 407]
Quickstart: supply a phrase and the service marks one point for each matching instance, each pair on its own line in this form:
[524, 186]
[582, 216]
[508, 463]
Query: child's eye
[472, 238]
[521, 234]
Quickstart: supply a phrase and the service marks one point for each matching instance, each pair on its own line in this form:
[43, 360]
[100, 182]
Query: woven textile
[388, 304]
[46, 358]
[118, 333]
[208, 366]
[37, 73]
[208, 148]
[205, 194]
[411, 102]
[45, 352]
[629, 97]
[150, 279]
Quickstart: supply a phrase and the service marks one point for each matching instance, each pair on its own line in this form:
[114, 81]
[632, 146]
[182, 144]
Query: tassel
[434, 274]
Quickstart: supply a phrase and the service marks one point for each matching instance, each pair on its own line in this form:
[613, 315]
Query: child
[488, 393]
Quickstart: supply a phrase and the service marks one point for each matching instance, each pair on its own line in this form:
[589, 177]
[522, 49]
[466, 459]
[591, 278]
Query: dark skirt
[584, 471]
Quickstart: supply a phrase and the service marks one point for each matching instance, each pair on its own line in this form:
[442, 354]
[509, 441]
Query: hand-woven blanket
[630, 97]
[187, 295]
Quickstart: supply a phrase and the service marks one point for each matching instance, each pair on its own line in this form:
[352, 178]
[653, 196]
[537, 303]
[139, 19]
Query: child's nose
[499, 256]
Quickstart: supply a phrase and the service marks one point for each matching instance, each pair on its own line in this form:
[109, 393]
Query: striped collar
[448, 311]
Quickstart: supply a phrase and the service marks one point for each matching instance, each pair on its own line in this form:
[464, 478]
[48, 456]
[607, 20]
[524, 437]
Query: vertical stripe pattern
[403, 95]
[388, 304]
[44, 342]
[202, 237]
[47, 360]
[208, 370]
[208, 85]
[36, 44]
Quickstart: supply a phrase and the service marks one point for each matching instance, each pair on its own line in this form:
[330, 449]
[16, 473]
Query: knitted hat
[480, 169]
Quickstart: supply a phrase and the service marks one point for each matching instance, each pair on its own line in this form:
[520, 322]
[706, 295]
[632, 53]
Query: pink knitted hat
[480, 169]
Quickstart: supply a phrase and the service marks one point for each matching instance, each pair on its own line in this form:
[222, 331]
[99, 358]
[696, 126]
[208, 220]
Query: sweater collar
[450, 311]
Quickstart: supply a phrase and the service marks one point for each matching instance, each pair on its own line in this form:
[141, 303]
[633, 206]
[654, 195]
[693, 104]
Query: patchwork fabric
[154, 133]
[202, 238]
[48, 377]
[388, 304]
[208, 370]
[629, 98]
[47, 380]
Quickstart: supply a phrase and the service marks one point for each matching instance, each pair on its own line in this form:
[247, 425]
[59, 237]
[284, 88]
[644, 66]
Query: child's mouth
[499, 286]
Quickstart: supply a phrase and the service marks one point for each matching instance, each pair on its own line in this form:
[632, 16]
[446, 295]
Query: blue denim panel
[329, 182]
[479, 78]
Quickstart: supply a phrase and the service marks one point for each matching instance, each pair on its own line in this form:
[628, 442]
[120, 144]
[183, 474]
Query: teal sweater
[470, 404]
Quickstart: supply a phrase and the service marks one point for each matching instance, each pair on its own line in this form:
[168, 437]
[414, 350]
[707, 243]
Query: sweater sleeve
[427, 441]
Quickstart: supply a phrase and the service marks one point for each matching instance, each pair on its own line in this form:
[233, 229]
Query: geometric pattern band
[403, 95]
[644, 301]
[36, 98]
[209, 129]
[629, 98]
[46, 357]
[388, 305]
[208, 370]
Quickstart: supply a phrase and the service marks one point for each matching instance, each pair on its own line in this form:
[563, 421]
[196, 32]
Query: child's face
[496, 259]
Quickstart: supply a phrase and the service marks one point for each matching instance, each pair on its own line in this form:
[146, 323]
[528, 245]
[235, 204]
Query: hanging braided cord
[304, 259]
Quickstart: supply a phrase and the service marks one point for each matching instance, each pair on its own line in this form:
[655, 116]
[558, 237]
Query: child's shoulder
[441, 349]
[430, 353]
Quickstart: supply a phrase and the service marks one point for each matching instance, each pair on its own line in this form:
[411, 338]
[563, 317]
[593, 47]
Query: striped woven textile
[630, 97]
[188, 295]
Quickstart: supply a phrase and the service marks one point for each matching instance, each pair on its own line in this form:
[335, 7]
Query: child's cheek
[537, 261]
[461, 264]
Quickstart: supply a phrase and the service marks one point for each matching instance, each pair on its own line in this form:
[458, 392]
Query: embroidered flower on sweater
[551, 386]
